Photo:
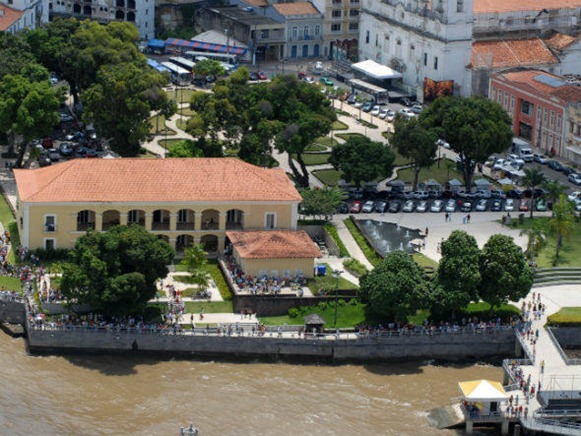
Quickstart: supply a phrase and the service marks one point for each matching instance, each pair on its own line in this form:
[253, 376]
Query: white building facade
[34, 13]
[421, 40]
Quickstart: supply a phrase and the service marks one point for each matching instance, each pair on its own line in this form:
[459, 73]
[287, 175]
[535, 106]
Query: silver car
[409, 206]
[451, 206]
[422, 206]
[509, 205]
[437, 206]
[368, 207]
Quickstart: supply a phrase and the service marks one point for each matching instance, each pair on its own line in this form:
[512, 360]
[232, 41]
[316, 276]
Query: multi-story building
[304, 29]
[544, 109]
[141, 13]
[340, 28]
[430, 43]
[32, 14]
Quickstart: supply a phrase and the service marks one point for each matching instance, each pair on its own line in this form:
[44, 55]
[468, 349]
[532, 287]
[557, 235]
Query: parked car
[482, 205]
[482, 194]
[367, 106]
[390, 116]
[540, 158]
[573, 196]
[498, 165]
[437, 206]
[524, 206]
[53, 155]
[541, 205]
[394, 206]
[367, 207]
[356, 207]
[66, 118]
[383, 113]
[575, 178]
[418, 195]
[358, 104]
[466, 206]
[497, 194]
[375, 110]
[406, 102]
[253, 75]
[309, 79]
[417, 109]
[86, 152]
[262, 75]
[352, 99]
[451, 205]
[514, 193]
[496, 205]
[509, 205]
[516, 160]
[343, 208]
[44, 160]
[409, 206]
[577, 205]
[443, 143]
[568, 171]
[326, 81]
[538, 192]
[555, 165]
[407, 112]
[380, 206]
[66, 149]
[422, 206]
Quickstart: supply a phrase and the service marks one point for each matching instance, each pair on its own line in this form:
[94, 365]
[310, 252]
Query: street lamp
[336, 274]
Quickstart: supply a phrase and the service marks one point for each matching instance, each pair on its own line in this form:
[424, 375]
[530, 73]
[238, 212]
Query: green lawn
[329, 283]
[180, 95]
[566, 316]
[182, 124]
[348, 315]
[339, 125]
[11, 283]
[315, 147]
[480, 310]
[167, 143]
[326, 140]
[328, 177]
[212, 307]
[9, 222]
[570, 253]
[214, 269]
[314, 158]
[440, 175]
[346, 136]
[186, 112]
[159, 122]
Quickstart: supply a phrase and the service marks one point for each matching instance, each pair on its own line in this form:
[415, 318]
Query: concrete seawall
[449, 347]
[12, 312]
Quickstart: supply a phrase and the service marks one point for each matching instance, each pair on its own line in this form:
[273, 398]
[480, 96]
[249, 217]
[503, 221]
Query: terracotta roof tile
[298, 8]
[511, 53]
[491, 6]
[529, 79]
[557, 41]
[256, 3]
[274, 244]
[8, 16]
[157, 180]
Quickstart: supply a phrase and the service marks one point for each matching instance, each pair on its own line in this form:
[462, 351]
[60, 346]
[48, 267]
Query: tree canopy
[415, 142]
[395, 288]
[562, 222]
[475, 128]
[115, 271]
[505, 272]
[321, 202]
[362, 160]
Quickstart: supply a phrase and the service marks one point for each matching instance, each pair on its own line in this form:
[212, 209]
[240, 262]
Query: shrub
[354, 267]
[293, 312]
[332, 231]
[52, 255]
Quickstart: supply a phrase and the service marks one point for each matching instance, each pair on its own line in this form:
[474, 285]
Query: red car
[262, 75]
[524, 205]
[356, 207]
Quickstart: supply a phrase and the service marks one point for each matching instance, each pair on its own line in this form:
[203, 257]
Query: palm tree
[554, 190]
[562, 222]
[533, 177]
[537, 238]
[195, 260]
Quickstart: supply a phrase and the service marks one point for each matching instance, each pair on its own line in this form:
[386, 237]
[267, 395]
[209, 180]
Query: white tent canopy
[505, 181]
[482, 390]
[375, 70]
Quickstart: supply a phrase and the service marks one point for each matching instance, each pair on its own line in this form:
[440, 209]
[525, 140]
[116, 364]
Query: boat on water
[190, 431]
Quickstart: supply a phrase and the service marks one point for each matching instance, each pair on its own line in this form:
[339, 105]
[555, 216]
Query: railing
[556, 423]
[558, 346]
[557, 413]
[50, 228]
[476, 416]
[185, 226]
[160, 226]
[524, 345]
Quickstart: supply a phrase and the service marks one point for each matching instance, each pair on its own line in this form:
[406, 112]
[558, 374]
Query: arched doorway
[305, 51]
[111, 218]
[120, 15]
[160, 220]
[234, 219]
[131, 16]
[136, 216]
[210, 243]
[183, 242]
[85, 220]
[293, 51]
[76, 8]
[210, 219]
[186, 219]
[316, 50]
[87, 10]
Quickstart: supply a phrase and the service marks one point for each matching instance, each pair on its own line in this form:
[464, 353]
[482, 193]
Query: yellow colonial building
[184, 201]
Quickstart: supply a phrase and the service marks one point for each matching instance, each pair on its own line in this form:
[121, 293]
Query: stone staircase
[557, 276]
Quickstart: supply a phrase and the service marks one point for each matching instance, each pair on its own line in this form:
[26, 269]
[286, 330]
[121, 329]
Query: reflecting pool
[388, 237]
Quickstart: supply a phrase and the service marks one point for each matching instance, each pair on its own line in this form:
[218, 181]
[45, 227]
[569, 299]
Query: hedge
[368, 251]
[332, 230]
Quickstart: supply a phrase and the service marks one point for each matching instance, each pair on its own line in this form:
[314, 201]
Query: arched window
[317, 30]
[295, 32]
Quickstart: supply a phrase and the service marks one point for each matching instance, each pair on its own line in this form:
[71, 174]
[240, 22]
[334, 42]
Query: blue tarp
[205, 46]
[156, 43]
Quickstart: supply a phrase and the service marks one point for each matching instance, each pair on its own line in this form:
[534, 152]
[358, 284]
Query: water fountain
[387, 237]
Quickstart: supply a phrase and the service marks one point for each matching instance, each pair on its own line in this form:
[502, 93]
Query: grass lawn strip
[339, 125]
[9, 222]
[314, 158]
[567, 316]
[369, 252]
[332, 230]
[328, 283]
[348, 314]
[328, 177]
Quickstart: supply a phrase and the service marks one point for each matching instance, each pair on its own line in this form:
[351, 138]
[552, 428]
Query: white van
[522, 149]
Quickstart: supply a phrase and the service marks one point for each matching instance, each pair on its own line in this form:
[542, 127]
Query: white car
[437, 206]
[498, 165]
[383, 113]
[540, 158]
[451, 206]
[407, 112]
[516, 161]
[509, 205]
[574, 196]
[390, 116]
[443, 143]
[310, 79]
[375, 111]
[368, 207]
[575, 178]
[422, 206]
[578, 205]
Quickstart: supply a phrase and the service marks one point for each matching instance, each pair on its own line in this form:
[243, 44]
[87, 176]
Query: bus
[230, 59]
[179, 76]
[184, 63]
[157, 66]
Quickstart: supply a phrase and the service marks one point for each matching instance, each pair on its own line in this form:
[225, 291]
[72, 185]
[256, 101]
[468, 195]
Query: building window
[558, 122]
[377, 40]
[525, 131]
[512, 103]
[545, 116]
[50, 223]
[435, 62]
[527, 108]
[353, 26]
[367, 37]
[317, 30]
[270, 220]
[336, 13]
[354, 13]
[49, 244]
[306, 32]
[552, 119]
[506, 101]
[539, 114]
[425, 59]
[337, 2]
[354, 1]
[500, 96]
[295, 32]
[337, 28]
[459, 5]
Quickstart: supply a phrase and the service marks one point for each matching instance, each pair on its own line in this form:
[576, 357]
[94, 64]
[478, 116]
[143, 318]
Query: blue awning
[156, 43]
[205, 46]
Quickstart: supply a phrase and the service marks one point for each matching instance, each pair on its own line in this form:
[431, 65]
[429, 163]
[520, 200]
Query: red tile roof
[511, 53]
[154, 180]
[557, 41]
[529, 79]
[298, 8]
[491, 6]
[8, 16]
[257, 3]
[274, 244]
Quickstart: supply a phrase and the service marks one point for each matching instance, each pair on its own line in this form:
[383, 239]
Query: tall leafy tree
[554, 190]
[562, 222]
[475, 128]
[533, 178]
[321, 202]
[458, 274]
[208, 67]
[195, 261]
[536, 238]
[395, 289]
[115, 272]
[415, 142]
[506, 275]
[362, 160]
[120, 103]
